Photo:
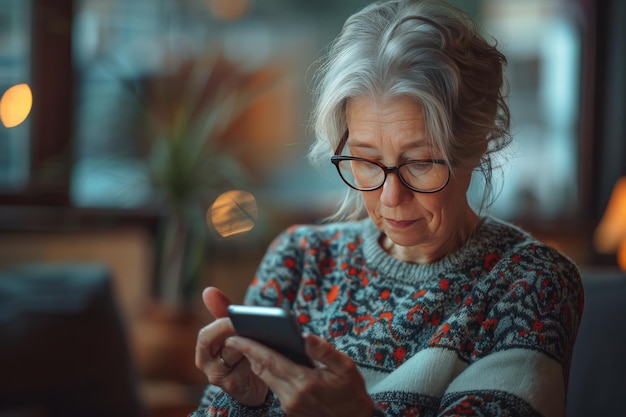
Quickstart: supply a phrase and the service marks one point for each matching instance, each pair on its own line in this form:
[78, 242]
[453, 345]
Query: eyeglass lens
[420, 175]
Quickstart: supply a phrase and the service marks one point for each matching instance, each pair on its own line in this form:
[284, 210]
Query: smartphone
[275, 327]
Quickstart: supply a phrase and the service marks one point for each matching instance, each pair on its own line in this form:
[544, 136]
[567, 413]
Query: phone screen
[275, 327]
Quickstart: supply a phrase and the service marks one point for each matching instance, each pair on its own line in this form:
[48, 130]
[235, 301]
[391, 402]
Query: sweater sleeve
[519, 364]
[217, 403]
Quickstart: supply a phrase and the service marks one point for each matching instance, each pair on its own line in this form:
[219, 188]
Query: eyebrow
[356, 143]
[411, 145]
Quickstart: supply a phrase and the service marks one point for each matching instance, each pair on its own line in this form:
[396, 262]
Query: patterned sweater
[488, 330]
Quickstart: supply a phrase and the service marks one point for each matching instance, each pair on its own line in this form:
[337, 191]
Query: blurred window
[14, 69]
[117, 45]
[127, 51]
[120, 48]
[542, 43]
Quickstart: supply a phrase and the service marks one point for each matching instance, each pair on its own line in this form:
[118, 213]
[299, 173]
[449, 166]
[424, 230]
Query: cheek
[449, 201]
[371, 200]
[432, 203]
[454, 197]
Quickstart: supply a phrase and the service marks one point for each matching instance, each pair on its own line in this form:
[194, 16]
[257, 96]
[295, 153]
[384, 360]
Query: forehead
[401, 109]
[386, 122]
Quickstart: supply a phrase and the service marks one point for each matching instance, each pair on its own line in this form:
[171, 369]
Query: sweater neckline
[387, 265]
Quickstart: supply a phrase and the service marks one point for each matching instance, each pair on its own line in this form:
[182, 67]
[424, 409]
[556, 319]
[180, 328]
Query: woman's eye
[417, 168]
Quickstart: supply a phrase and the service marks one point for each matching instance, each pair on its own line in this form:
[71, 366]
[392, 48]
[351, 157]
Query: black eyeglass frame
[337, 158]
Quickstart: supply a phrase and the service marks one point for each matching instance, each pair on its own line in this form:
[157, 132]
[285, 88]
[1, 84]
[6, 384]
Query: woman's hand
[335, 388]
[224, 366]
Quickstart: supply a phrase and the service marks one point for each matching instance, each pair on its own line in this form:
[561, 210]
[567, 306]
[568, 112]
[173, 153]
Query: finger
[229, 357]
[325, 353]
[210, 341]
[265, 362]
[305, 391]
[216, 302]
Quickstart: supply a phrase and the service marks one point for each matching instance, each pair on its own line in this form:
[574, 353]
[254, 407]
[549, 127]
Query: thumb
[216, 302]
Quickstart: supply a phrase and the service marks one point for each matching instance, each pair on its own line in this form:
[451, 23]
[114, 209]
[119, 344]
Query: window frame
[51, 116]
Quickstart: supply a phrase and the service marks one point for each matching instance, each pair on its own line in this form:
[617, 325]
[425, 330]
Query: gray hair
[427, 50]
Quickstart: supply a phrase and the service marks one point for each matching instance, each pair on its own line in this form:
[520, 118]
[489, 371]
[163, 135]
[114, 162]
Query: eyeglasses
[427, 176]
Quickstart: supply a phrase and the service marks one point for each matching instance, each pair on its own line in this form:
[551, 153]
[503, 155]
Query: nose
[394, 192]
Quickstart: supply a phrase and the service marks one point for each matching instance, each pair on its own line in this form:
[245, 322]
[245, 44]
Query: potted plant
[189, 159]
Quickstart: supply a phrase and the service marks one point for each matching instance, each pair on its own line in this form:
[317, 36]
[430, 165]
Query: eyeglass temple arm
[342, 143]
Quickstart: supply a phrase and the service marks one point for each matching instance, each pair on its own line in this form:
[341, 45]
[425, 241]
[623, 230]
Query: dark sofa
[597, 382]
[63, 345]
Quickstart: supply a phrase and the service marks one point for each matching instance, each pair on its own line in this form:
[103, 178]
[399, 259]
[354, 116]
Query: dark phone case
[275, 327]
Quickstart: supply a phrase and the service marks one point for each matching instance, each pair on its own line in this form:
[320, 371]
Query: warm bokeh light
[610, 235]
[228, 9]
[621, 256]
[232, 213]
[15, 105]
[611, 231]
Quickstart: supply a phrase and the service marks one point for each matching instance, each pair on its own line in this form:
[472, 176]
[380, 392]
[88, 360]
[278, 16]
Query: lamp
[610, 235]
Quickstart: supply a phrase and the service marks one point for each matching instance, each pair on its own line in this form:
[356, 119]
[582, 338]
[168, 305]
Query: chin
[406, 239]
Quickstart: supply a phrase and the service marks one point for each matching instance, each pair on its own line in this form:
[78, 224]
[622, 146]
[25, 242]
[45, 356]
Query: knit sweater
[488, 330]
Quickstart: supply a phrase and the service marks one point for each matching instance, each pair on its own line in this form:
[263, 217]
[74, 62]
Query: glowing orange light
[232, 213]
[15, 105]
[612, 228]
[621, 256]
[610, 235]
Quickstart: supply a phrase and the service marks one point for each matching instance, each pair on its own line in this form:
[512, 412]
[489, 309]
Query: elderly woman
[413, 303]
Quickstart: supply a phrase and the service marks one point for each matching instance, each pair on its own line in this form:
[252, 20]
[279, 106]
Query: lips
[399, 224]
